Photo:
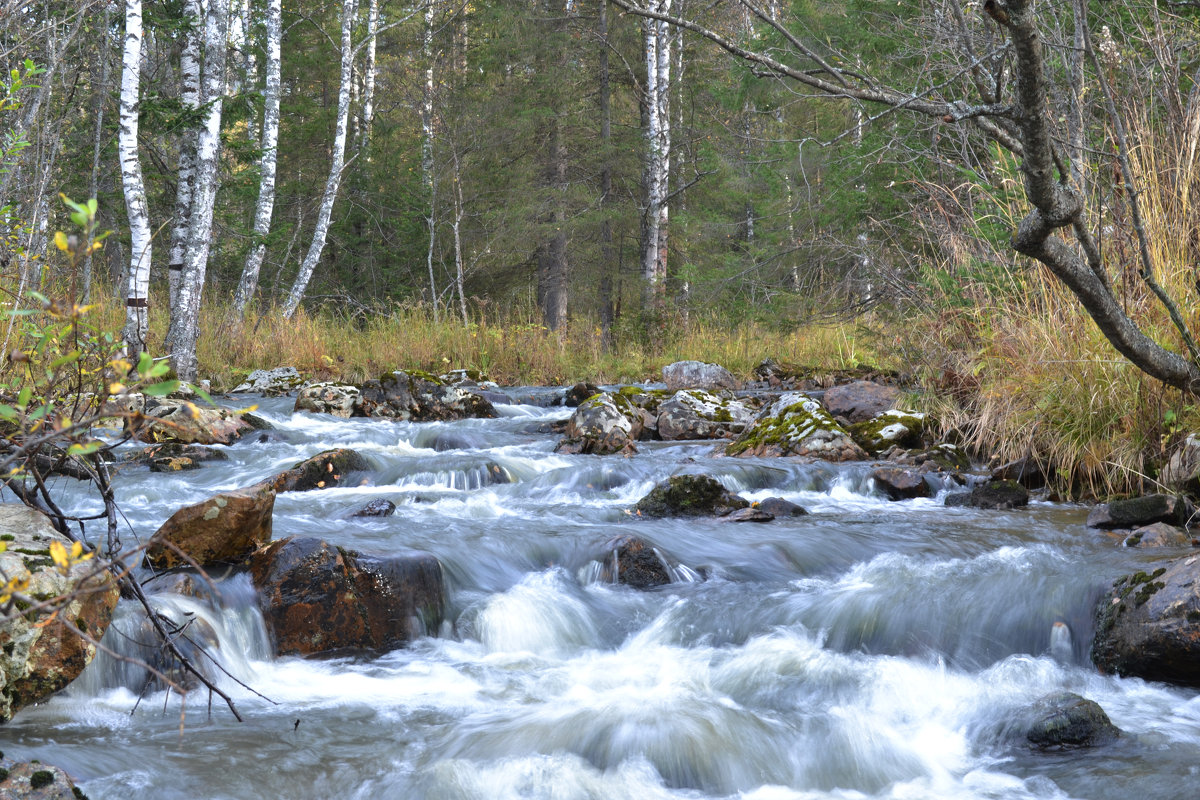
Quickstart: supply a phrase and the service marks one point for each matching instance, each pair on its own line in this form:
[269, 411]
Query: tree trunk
[368, 100]
[658, 155]
[333, 182]
[185, 313]
[136, 300]
[552, 268]
[189, 98]
[607, 251]
[427, 179]
[458, 256]
[270, 153]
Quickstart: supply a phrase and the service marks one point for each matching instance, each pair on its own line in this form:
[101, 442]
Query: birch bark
[185, 313]
[136, 302]
[189, 98]
[335, 169]
[270, 151]
[427, 150]
[658, 152]
[368, 102]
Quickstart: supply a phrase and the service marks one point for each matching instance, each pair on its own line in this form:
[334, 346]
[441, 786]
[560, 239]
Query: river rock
[602, 425]
[796, 425]
[778, 507]
[689, 496]
[1025, 471]
[323, 471]
[376, 508]
[776, 374]
[860, 401]
[899, 483]
[751, 514]
[697, 414]
[1064, 721]
[23, 780]
[173, 457]
[995, 495]
[270, 382]
[698, 375]
[329, 397]
[634, 562]
[892, 428]
[318, 598]
[224, 529]
[1160, 534]
[184, 422]
[1138, 511]
[39, 655]
[580, 392]
[421, 397]
[1148, 624]
[1182, 470]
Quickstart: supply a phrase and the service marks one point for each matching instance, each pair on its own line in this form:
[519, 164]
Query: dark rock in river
[689, 496]
[317, 598]
[637, 563]
[698, 375]
[998, 495]
[224, 529]
[421, 397]
[1160, 534]
[322, 471]
[1064, 720]
[580, 392]
[899, 483]
[22, 780]
[39, 654]
[1138, 511]
[376, 508]
[778, 507]
[860, 401]
[1148, 624]
[1025, 471]
[175, 457]
[751, 514]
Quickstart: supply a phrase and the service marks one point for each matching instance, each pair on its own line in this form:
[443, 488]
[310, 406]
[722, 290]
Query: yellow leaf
[116, 387]
[59, 554]
[60, 241]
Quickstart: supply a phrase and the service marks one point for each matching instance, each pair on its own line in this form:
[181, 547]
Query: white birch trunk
[427, 149]
[658, 150]
[335, 169]
[368, 100]
[458, 256]
[185, 313]
[270, 150]
[136, 301]
[189, 97]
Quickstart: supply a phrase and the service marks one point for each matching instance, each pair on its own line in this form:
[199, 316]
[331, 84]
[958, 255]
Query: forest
[559, 191]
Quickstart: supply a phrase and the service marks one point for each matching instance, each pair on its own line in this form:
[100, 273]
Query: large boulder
[318, 598]
[860, 401]
[899, 483]
[697, 414]
[1066, 721]
[270, 382]
[421, 397]
[698, 375]
[224, 529]
[184, 422]
[1138, 511]
[994, 495]
[689, 496]
[1148, 624]
[602, 425]
[796, 425]
[892, 428]
[323, 471]
[39, 654]
[329, 397]
[33, 780]
[634, 562]
[1160, 534]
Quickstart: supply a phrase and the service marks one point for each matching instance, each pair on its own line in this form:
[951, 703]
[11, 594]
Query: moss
[7, 537]
[79, 795]
[413, 373]
[1148, 591]
[3, 774]
[24, 551]
[42, 777]
[792, 425]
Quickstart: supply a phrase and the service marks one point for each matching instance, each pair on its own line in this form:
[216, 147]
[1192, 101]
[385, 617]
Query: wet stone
[376, 508]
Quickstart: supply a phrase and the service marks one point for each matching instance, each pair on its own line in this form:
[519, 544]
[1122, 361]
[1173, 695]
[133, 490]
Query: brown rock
[39, 654]
[751, 514]
[222, 530]
[900, 484]
[184, 422]
[322, 471]
[317, 598]
[1160, 534]
[634, 562]
[778, 507]
[860, 401]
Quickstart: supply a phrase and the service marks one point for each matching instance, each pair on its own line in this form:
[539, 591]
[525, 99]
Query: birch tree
[138, 283]
[267, 164]
[368, 95]
[657, 172]
[427, 177]
[189, 98]
[333, 182]
[185, 312]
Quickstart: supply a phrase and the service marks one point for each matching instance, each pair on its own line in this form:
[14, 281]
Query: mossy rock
[892, 428]
[797, 425]
[1066, 721]
[689, 496]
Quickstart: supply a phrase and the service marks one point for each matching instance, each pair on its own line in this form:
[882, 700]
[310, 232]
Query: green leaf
[74, 355]
[7, 411]
[24, 397]
[145, 362]
[158, 370]
[79, 218]
[92, 206]
[39, 412]
[161, 389]
[41, 298]
[84, 449]
[203, 395]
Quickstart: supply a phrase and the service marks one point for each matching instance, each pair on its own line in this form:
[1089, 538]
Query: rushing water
[871, 649]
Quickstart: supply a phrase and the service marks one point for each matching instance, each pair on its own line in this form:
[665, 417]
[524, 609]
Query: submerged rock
[1148, 625]
[860, 401]
[796, 425]
[33, 780]
[1064, 720]
[318, 598]
[699, 375]
[224, 529]
[322, 471]
[778, 507]
[751, 514]
[39, 654]
[697, 414]
[376, 508]
[270, 382]
[1138, 511]
[689, 496]
[329, 397]
[995, 495]
[422, 397]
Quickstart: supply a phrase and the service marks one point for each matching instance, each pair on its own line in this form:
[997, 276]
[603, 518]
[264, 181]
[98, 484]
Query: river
[868, 650]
